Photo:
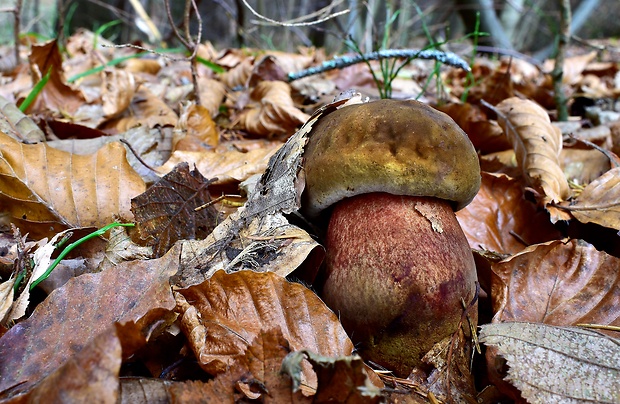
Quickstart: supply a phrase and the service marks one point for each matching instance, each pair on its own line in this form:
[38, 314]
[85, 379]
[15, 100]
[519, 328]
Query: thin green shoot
[470, 80]
[35, 91]
[71, 246]
[99, 32]
[67, 26]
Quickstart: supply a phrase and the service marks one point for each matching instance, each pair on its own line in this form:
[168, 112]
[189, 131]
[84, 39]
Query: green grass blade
[35, 91]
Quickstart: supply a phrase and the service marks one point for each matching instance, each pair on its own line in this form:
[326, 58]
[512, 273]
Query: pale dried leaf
[146, 110]
[195, 129]
[16, 124]
[212, 94]
[537, 145]
[6, 298]
[121, 248]
[600, 201]
[558, 365]
[117, 91]
[47, 190]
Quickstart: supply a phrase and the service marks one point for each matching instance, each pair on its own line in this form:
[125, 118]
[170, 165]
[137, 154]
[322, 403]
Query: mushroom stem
[397, 269]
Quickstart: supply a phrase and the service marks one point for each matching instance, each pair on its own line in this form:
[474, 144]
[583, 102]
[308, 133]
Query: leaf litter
[544, 278]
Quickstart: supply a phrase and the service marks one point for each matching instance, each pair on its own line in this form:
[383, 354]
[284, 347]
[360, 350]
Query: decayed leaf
[166, 212]
[6, 298]
[48, 190]
[599, 202]
[273, 111]
[120, 248]
[559, 283]
[195, 129]
[537, 145]
[558, 365]
[223, 315]
[501, 220]
[84, 307]
[340, 380]
[15, 124]
[56, 95]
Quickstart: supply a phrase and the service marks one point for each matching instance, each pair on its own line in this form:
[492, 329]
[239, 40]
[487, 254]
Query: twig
[558, 70]
[295, 23]
[137, 156]
[448, 58]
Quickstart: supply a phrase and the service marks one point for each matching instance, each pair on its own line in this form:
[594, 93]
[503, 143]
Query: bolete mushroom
[390, 175]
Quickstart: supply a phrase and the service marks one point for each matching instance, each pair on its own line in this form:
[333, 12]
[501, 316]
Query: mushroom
[389, 175]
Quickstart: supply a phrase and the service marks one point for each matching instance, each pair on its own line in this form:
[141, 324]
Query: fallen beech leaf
[340, 379]
[223, 315]
[166, 212]
[15, 124]
[117, 91]
[557, 365]
[120, 248]
[273, 111]
[65, 322]
[146, 110]
[537, 145]
[558, 283]
[212, 94]
[195, 129]
[501, 220]
[599, 202]
[56, 95]
[92, 372]
[47, 190]
[486, 135]
[239, 74]
[6, 298]
[573, 66]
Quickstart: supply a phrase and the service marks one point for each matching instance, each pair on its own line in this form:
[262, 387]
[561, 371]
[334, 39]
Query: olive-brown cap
[393, 146]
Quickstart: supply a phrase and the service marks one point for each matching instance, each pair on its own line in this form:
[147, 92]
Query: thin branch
[448, 58]
[295, 24]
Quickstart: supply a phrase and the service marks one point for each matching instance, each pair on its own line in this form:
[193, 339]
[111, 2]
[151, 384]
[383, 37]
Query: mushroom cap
[393, 146]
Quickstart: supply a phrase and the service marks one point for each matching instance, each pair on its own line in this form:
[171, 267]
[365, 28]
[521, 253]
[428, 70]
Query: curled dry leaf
[50, 190]
[212, 94]
[15, 124]
[559, 283]
[238, 75]
[557, 365]
[501, 220]
[223, 315]
[117, 91]
[272, 111]
[600, 201]
[195, 129]
[537, 145]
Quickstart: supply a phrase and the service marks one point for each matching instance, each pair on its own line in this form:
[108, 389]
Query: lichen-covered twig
[340, 62]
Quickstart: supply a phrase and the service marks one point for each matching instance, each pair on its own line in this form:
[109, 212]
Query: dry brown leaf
[584, 166]
[537, 145]
[486, 135]
[47, 190]
[6, 298]
[166, 212]
[501, 220]
[573, 66]
[64, 323]
[223, 315]
[558, 283]
[195, 129]
[212, 94]
[600, 201]
[143, 65]
[92, 372]
[117, 91]
[146, 110]
[239, 74]
[56, 96]
[226, 162]
[273, 111]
